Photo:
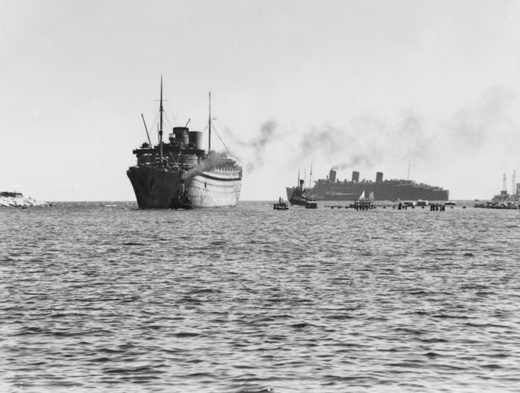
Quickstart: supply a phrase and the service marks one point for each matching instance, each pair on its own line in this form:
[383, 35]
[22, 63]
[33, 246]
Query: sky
[427, 90]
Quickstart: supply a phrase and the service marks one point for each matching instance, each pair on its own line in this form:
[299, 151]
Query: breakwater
[502, 201]
[16, 199]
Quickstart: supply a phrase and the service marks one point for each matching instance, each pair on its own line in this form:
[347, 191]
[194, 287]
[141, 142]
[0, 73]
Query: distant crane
[513, 187]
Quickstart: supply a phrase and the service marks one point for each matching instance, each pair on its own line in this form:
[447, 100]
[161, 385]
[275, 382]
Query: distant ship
[180, 174]
[332, 189]
[298, 195]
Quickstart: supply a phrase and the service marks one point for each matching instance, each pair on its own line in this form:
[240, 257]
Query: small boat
[281, 205]
[422, 203]
[311, 205]
[450, 203]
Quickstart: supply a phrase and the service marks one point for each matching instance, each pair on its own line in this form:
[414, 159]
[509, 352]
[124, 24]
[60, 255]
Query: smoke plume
[252, 153]
[372, 142]
[367, 142]
[474, 125]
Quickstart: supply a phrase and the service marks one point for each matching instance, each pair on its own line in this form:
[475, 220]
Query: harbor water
[106, 297]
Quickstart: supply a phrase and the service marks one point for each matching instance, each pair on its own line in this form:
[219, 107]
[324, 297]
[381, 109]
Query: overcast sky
[426, 89]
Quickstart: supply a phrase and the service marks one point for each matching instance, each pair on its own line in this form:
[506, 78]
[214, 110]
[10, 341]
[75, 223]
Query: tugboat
[180, 174]
[298, 195]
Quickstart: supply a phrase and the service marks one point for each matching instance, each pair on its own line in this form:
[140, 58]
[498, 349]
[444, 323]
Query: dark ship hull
[382, 190]
[381, 193]
[298, 195]
[180, 174]
[155, 188]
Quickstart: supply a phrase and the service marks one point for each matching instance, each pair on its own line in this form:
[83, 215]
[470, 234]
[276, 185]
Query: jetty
[366, 205]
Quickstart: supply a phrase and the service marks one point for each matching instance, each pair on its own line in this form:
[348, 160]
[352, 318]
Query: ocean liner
[180, 174]
[332, 189]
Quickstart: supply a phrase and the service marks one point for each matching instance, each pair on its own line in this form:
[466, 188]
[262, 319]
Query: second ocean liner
[180, 174]
[332, 189]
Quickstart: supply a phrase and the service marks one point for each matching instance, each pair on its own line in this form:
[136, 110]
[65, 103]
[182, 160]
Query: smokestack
[301, 184]
[513, 191]
[379, 177]
[504, 184]
[332, 175]
[355, 176]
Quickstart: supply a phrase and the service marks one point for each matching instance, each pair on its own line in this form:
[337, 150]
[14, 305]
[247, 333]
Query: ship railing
[227, 170]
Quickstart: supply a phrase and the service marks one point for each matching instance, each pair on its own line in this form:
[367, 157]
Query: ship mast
[209, 124]
[310, 177]
[161, 110]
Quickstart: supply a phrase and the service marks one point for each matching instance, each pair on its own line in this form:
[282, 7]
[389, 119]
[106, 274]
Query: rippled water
[101, 296]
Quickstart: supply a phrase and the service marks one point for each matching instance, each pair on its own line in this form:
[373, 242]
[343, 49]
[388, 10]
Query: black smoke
[252, 153]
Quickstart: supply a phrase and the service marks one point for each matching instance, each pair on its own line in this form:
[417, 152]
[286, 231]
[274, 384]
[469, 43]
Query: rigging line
[168, 121]
[155, 120]
[171, 114]
[166, 109]
[216, 131]
[173, 158]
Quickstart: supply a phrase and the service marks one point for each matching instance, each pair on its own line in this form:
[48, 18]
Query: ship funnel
[355, 176]
[301, 184]
[181, 134]
[332, 175]
[379, 177]
[195, 138]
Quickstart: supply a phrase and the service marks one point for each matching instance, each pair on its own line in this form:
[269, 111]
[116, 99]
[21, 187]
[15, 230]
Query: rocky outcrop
[16, 199]
[502, 201]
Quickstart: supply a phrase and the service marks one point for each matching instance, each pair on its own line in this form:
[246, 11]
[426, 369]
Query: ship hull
[289, 191]
[155, 188]
[214, 189]
[381, 192]
[296, 196]
[161, 188]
